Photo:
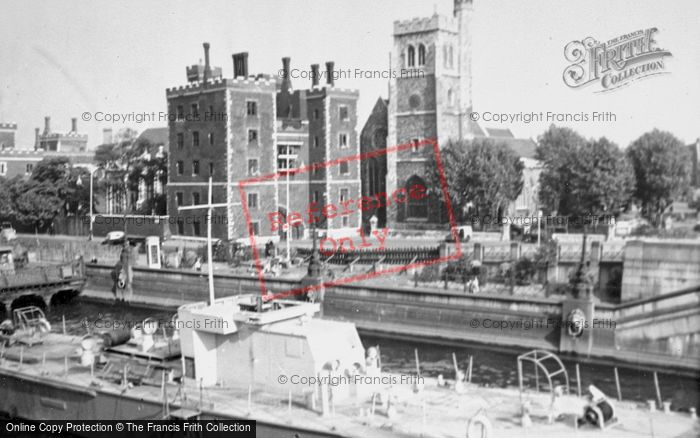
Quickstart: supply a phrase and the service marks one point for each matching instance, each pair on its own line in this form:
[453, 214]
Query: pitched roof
[499, 132]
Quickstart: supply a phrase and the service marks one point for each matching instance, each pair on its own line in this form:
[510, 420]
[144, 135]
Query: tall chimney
[36, 138]
[314, 75]
[47, 125]
[107, 136]
[240, 64]
[329, 71]
[286, 78]
[207, 67]
[74, 125]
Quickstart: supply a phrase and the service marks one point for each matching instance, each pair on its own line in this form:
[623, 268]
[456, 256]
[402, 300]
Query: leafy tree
[480, 173]
[130, 161]
[583, 177]
[6, 199]
[71, 183]
[602, 181]
[39, 203]
[556, 149]
[662, 171]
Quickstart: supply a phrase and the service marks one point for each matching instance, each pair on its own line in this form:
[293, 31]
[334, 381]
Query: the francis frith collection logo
[616, 62]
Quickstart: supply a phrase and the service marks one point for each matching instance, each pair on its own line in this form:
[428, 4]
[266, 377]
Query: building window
[211, 169]
[344, 168]
[252, 135]
[421, 54]
[195, 198]
[254, 228]
[316, 114]
[253, 167]
[316, 142]
[450, 97]
[180, 226]
[415, 145]
[416, 208]
[345, 221]
[195, 111]
[344, 195]
[180, 140]
[3, 168]
[342, 140]
[411, 56]
[30, 167]
[316, 196]
[196, 228]
[343, 112]
[195, 138]
[211, 113]
[252, 200]
[447, 53]
[251, 108]
[180, 167]
[179, 198]
[211, 139]
[180, 112]
[195, 167]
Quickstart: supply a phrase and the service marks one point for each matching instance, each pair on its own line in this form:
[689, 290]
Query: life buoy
[479, 427]
[575, 323]
[121, 280]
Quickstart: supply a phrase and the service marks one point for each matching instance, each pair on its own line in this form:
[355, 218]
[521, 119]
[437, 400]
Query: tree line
[579, 176]
[57, 188]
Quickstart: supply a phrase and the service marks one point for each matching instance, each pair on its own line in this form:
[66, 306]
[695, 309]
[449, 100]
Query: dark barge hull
[33, 398]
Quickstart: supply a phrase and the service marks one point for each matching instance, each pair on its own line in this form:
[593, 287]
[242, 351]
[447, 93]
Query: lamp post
[92, 216]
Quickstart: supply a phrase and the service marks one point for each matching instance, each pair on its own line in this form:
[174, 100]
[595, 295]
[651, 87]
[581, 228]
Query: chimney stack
[36, 138]
[314, 75]
[286, 76]
[107, 136]
[240, 64]
[207, 67]
[47, 125]
[74, 124]
[329, 71]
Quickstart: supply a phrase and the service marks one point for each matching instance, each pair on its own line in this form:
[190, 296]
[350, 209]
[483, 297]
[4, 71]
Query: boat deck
[433, 412]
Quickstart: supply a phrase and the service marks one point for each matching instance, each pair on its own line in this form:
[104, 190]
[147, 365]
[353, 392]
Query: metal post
[578, 380]
[289, 226]
[417, 362]
[469, 371]
[658, 390]
[210, 261]
[92, 175]
[617, 384]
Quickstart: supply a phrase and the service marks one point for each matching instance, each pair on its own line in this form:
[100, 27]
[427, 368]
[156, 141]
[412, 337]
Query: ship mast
[210, 258]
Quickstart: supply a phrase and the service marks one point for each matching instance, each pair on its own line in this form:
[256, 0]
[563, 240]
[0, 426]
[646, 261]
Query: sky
[62, 58]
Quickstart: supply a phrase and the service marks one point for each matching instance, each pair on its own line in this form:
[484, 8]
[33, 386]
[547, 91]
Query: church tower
[429, 98]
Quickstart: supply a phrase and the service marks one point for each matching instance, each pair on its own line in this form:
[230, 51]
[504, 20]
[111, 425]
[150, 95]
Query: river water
[490, 367]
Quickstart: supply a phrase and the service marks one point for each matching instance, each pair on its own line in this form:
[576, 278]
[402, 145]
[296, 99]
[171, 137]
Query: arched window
[411, 56]
[421, 54]
[416, 205]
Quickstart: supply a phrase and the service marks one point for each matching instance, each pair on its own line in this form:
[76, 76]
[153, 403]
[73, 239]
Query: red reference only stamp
[336, 216]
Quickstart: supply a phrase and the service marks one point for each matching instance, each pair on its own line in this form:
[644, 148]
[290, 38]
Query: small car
[464, 233]
[8, 233]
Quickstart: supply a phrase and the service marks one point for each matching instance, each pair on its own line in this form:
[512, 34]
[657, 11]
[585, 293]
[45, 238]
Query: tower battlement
[425, 24]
